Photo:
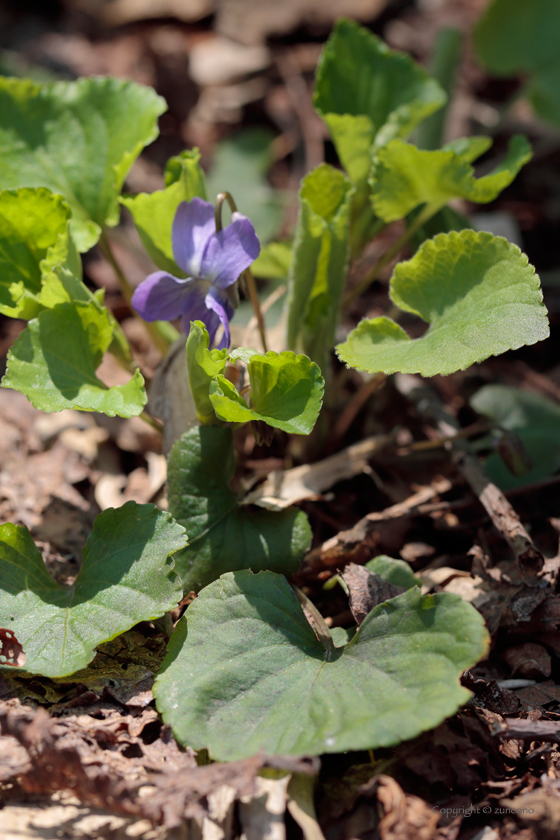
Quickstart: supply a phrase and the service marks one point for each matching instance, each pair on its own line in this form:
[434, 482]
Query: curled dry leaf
[529, 660]
[367, 590]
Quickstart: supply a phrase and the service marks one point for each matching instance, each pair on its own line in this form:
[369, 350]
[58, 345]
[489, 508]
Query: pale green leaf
[224, 535]
[31, 222]
[404, 177]
[78, 139]
[245, 671]
[203, 365]
[153, 213]
[286, 393]
[368, 95]
[126, 577]
[273, 262]
[53, 362]
[319, 261]
[478, 293]
[534, 418]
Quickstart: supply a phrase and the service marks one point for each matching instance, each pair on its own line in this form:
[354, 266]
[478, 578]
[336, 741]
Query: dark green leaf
[537, 422]
[224, 535]
[126, 577]
[393, 571]
[245, 671]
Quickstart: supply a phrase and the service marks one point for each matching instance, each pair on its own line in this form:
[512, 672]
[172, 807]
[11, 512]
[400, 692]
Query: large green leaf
[368, 94]
[516, 37]
[223, 535]
[31, 222]
[153, 213]
[537, 422]
[53, 362]
[245, 672]
[478, 293]
[203, 365]
[404, 177]
[320, 258]
[286, 393]
[126, 577]
[77, 138]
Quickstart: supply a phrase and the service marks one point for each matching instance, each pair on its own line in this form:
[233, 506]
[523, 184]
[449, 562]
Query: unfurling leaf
[245, 671]
[53, 362]
[404, 177]
[126, 577]
[153, 213]
[78, 139]
[368, 95]
[478, 293]
[223, 534]
[286, 392]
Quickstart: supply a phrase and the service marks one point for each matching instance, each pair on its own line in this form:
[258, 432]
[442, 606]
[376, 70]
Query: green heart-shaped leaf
[245, 672]
[224, 535]
[286, 393]
[203, 365]
[404, 177]
[126, 577]
[368, 94]
[478, 293]
[537, 422]
[153, 213]
[393, 571]
[53, 362]
[78, 139]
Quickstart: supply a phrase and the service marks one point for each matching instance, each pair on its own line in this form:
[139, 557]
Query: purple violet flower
[213, 261]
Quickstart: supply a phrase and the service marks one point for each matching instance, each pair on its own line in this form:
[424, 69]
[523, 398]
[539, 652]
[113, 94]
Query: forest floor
[87, 756]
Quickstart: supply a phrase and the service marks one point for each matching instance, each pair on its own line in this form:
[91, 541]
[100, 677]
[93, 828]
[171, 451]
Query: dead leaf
[405, 817]
[283, 488]
[529, 660]
[11, 651]
[367, 590]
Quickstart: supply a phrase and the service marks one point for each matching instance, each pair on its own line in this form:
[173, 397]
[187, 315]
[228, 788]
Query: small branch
[520, 729]
[353, 408]
[529, 559]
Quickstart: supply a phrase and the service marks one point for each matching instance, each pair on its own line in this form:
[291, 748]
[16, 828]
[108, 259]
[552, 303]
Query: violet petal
[195, 309]
[160, 297]
[193, 224]
[218, 302]
[230, 252]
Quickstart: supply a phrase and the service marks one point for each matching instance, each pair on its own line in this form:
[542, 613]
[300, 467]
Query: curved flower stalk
[213, 262]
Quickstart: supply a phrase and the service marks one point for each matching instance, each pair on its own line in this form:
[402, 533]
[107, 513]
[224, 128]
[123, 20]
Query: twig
[519, 729]
[529, 559]
[353, 408]
[300, 100]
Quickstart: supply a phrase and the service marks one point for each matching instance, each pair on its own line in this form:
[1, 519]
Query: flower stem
[162, 333]
[151, 421]
[249, 279]
[389, 255]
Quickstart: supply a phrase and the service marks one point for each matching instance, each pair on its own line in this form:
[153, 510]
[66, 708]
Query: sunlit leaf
[404, 177]
[203, 365]
[286, 393]
[368, 94]
[224, 535]
[126, 577]
[153, 213]
[245, 671]
[53, 362]
[78, 139]
[477, 292]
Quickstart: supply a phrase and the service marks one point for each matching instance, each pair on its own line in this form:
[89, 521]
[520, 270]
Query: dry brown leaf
[529, 660]
[366, 590]
[405, 817]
